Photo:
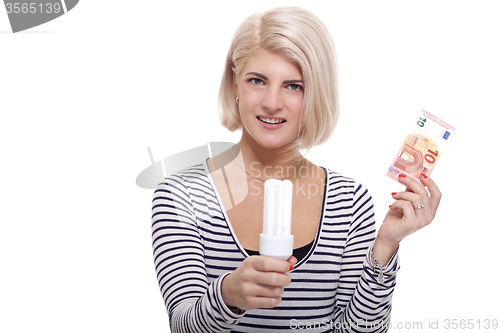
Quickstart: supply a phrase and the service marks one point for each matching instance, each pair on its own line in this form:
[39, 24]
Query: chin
[270, 141]
[273, 144]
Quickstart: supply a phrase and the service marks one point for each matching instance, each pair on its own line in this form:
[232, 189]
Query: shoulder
[350, 199]
[180, 186]
[343, 190]
[335, 177]
[174, 194]
[337, 181]
[185, 177]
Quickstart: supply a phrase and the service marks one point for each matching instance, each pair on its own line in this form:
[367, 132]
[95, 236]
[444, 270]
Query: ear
[235, 84]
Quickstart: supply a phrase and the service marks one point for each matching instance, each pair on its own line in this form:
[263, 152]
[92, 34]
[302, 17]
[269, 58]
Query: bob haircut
[301, 37]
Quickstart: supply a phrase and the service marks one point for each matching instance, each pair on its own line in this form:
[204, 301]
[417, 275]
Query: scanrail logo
[150, 177]
[26, 14]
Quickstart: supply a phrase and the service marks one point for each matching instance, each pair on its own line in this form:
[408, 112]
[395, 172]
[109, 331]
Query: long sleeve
[192, 303]
[363, 304]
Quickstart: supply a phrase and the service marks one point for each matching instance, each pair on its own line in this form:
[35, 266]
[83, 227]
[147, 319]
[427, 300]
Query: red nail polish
[423, 176]
[393, 193]
[402, 175]
[291, 267]
[390, 206]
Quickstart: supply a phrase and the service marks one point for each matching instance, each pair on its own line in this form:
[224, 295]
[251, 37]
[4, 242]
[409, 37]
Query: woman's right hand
[258, 282]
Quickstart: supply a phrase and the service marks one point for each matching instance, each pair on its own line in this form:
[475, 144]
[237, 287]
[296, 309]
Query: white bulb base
[279, 247]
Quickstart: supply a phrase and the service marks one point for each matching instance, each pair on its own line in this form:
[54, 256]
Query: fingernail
[393, 193]
[291, 267]
[423, 176]
[402, 175]
[390, 206]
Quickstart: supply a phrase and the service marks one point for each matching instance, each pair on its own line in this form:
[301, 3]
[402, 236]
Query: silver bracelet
[377, 266]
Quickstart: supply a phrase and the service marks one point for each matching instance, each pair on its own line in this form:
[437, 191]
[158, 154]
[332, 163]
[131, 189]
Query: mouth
[271, 120]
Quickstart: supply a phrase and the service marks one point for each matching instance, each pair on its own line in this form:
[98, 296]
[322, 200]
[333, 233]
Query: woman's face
[270, 90]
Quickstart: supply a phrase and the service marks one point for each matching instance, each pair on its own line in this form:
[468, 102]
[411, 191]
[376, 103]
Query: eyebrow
[265, 78]
[257, 74]
[293, 81]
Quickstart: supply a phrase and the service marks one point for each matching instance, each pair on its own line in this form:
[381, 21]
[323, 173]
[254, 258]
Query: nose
[273, 100]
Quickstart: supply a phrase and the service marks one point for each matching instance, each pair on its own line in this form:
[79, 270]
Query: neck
[265, 163]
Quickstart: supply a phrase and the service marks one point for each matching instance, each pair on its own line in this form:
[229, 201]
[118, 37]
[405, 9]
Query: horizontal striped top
[333, 289]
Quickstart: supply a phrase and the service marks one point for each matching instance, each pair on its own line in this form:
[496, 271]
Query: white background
[82, 97]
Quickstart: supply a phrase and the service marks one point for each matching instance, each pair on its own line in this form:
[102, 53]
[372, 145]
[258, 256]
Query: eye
[294, 87]
[255, 80]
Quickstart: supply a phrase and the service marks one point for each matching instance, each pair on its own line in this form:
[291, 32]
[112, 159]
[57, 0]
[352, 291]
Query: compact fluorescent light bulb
[276, 240]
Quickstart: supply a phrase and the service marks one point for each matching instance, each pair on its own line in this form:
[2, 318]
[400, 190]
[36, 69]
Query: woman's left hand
[413, 209]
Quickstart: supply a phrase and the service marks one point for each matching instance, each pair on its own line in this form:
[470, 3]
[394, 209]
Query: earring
[237, 101]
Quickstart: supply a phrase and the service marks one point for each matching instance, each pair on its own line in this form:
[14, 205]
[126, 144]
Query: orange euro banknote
[422, 148]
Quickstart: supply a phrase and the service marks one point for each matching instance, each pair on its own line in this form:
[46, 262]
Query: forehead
[272, 64]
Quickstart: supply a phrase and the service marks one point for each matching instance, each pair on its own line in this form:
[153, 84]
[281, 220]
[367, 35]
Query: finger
[292, 261]
[264, 302]
[269, 291]
[406, 207]
[271, 279]
[415, 198]
[435, 197]
[261, 290]
[412, 185]
[268, 264]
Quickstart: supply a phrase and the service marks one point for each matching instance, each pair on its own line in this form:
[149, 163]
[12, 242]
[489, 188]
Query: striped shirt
[333, 289]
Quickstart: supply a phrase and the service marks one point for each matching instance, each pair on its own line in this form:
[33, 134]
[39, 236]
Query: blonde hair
[301, 37]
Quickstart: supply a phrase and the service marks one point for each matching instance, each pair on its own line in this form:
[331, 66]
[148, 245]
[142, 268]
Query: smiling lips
[271, 120]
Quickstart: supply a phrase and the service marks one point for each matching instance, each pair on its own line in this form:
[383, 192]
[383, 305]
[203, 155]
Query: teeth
[271, 121]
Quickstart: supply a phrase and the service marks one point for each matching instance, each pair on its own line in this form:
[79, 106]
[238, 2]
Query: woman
[279, 88]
